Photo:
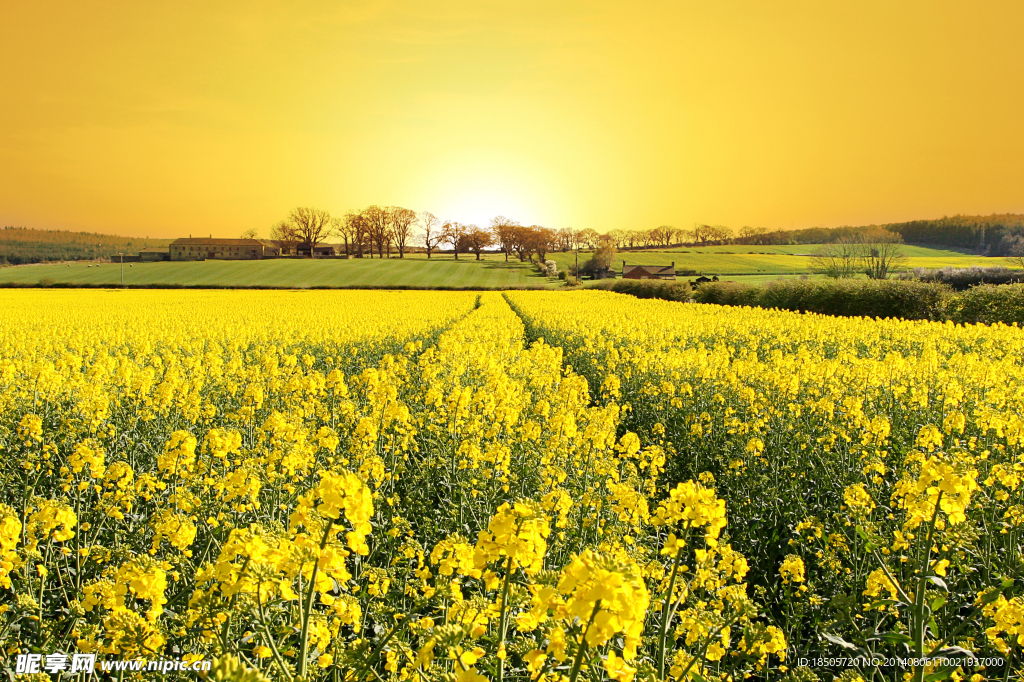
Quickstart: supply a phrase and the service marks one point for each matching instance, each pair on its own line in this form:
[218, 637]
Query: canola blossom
[871, 469]
[548, 486]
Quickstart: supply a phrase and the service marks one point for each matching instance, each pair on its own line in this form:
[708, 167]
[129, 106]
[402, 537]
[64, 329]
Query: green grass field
[911, 250]
[769, 262]
[752, 264]
[414, 271]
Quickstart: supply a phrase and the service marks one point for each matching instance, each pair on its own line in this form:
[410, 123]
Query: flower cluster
[551, 486]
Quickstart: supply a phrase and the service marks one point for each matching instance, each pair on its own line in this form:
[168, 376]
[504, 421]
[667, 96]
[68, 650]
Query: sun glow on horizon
[162, 119]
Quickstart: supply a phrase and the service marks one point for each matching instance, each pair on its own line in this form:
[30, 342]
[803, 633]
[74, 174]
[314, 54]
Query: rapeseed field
[556, 486]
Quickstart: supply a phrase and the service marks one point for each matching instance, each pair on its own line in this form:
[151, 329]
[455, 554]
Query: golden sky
[163, 118]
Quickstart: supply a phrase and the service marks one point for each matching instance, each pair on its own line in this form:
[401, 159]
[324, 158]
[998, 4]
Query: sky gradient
[163, 119]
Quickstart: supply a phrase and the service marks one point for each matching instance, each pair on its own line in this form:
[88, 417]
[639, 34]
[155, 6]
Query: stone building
[202, 248]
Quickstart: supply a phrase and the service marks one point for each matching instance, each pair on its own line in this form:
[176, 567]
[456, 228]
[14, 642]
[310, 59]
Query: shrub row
[962, 279]
[851, 297]
[647, 288]
[909, 300]
[989, 304]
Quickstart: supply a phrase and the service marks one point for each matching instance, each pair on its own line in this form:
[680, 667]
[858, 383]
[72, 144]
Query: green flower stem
[919, 620]
[666, 611]
[707, 643]
[503, 622]
[308, 610]
[583, 644]
[270, 639]
[231, 608]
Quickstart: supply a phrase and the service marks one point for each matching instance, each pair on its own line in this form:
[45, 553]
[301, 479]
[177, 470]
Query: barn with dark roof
[648, 271]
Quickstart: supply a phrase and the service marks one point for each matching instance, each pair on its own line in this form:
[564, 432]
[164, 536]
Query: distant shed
[155, 253]
[648, 271]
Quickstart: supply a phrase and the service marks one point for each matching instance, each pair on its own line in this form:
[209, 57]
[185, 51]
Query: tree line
[386, 229]
[21, 245]
[992, 235]
[382, 230]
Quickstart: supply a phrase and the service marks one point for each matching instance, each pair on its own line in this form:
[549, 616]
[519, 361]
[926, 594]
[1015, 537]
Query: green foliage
[20, 245]
[647, 288]
[972, 232]
[868, 298]
[604, 255]
[911, 300]
[989, 304]
[995, 234]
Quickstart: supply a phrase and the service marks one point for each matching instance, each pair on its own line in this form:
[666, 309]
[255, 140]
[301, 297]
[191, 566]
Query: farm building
[202, 248]
[272, 249]
[155, 253]
[648, 271]
[318, 251]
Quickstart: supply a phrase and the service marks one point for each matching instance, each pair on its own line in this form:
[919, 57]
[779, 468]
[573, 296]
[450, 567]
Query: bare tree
[747, 232]
[281, 233]
[478, 239]
[574, 239]
[378, 220]
[506, 232]
[721, 233]
[838, 260]
[343, 229]
[250, 233]
[542, 240]
[1016, 256]
[563, 239]
[360, 233]
[402, 220]
[522, 242]
[587, 237]
[454, 234]
[432, 232]
[310, 226]
[663, 234]
[882, 255]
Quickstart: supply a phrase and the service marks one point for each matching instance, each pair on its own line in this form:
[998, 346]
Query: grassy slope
[804, 249]
[441, 271]
[770, 260]
[25, 245]
[754, 264]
